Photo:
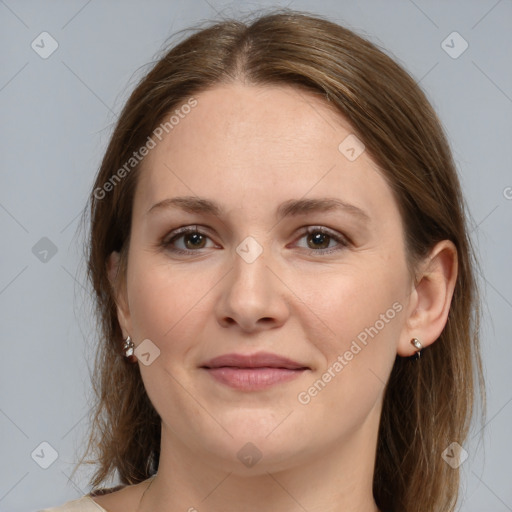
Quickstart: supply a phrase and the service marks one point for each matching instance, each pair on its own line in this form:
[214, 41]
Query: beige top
[83, 504]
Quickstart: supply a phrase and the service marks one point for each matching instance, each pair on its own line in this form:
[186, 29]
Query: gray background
[56, 115]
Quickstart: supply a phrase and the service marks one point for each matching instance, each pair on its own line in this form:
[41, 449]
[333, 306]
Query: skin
[250, 148]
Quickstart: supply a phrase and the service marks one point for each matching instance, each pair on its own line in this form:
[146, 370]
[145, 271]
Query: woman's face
[250, 279]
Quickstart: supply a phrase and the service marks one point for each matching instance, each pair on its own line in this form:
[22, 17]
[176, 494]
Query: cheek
[155, 307]
[345, 306]
[168, 303]
[361, 317]
[153, 301]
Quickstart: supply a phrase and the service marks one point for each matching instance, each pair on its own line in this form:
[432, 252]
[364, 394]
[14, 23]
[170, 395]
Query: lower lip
[253, 379]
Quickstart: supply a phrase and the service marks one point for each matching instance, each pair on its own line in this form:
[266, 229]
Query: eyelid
[184, 230]
[342, 240]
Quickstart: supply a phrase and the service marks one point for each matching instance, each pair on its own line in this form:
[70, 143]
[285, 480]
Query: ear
[119, 290]
[430, 299]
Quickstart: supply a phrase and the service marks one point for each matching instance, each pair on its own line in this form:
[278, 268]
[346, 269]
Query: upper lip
[258, 360]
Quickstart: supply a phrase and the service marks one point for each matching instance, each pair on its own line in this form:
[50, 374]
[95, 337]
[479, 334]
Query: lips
[259, 360]
[253, 372]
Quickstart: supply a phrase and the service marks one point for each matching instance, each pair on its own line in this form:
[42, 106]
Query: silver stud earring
[418, 346]
[128, 349]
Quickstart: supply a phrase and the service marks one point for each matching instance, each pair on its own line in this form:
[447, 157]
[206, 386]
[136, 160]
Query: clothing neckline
[117, 488]
[97, 505]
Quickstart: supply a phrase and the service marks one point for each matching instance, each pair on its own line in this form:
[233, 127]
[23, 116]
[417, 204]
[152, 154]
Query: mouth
[253, 372]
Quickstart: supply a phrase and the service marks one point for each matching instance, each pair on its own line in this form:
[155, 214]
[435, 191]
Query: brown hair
[428, 404]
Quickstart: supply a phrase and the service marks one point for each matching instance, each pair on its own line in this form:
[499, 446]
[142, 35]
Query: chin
[259, 444]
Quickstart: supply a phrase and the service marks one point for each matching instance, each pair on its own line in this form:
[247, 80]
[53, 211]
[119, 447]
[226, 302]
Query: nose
[253, 297]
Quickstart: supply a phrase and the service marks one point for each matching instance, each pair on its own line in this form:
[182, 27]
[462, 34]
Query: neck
[338, 479]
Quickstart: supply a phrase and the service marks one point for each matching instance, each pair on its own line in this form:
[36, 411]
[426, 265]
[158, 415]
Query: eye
[319, 240]
[193, 239]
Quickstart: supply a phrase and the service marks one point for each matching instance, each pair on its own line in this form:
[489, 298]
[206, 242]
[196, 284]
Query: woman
[277, 235]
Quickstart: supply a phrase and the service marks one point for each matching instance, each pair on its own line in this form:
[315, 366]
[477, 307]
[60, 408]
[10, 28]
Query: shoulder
[83, 504]
[123, 498]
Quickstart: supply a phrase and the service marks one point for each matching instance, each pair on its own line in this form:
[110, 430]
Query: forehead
[255, 117]
[274, 141]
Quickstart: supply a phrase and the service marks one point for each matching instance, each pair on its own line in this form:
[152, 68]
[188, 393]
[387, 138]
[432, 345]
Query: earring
[128, 347]
[418, 346]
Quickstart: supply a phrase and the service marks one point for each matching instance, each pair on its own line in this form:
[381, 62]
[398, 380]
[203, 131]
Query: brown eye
[190, 239]
[320, 240]
[194, 240]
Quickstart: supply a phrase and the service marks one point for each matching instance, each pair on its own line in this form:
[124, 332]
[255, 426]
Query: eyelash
[341, 240]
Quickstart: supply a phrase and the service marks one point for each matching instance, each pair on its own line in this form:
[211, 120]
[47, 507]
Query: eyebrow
[290, 208]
